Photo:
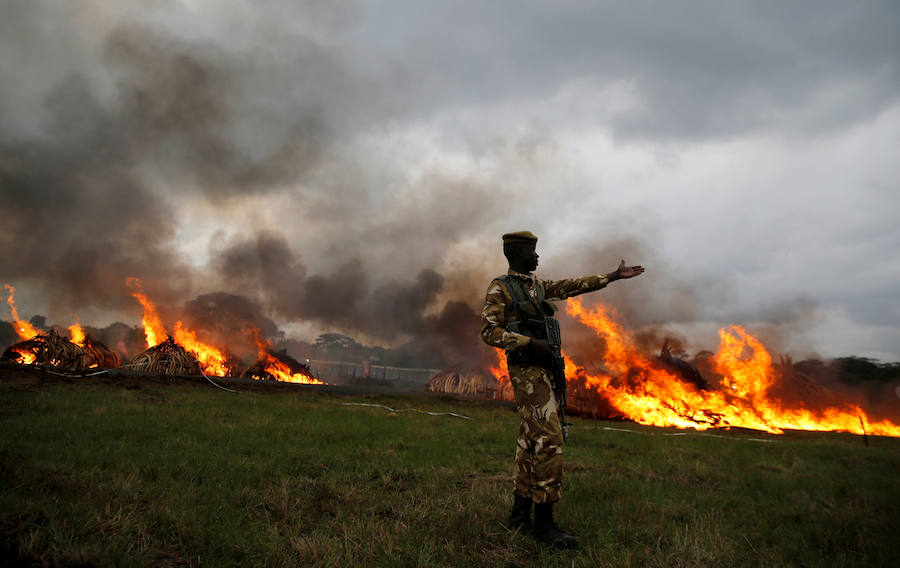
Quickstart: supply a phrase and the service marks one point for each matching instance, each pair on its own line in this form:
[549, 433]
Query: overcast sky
[321, 156]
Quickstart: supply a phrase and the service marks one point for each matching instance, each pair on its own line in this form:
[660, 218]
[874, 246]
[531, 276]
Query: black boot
[520, 518]
[545, 530]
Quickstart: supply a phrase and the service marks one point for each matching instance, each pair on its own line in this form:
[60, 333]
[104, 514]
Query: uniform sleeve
[494, 320]
[562, 289]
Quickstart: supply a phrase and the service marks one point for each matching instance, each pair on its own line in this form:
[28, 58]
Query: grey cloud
[700, 69]
[184, 102]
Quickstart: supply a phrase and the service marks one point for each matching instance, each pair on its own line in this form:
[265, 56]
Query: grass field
[156, 475]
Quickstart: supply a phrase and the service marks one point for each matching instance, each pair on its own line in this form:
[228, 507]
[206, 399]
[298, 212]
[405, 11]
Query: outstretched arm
[562, 289]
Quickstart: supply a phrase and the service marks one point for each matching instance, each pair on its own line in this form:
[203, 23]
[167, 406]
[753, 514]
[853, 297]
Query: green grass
[97, 474]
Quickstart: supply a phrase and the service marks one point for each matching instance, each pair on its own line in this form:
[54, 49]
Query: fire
[500, 372]
[25, 357]
[25, 330]
[270, 365]
[212, 360]
[282, 372]
[647, 393]
[154, 330]
[77, 334]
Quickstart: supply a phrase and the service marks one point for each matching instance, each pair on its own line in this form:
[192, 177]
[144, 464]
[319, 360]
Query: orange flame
[649, 394]
[500, 372]
[213, 361]
[25, 330]
[154, 330]
[77, 333]
[282, 372]
[25, 357]
[278, 369]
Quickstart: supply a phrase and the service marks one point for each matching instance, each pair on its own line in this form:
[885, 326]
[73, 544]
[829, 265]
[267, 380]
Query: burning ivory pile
[57, 351]
[181, 353]
[50, 348]
[466, 384]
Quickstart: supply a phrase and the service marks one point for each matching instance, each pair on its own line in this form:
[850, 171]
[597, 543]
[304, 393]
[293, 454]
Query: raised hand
[627, 271]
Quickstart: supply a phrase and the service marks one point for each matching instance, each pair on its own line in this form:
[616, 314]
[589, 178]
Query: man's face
[526, 258]
[531, 258]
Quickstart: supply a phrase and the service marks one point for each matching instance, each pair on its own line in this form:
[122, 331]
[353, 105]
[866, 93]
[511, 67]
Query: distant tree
[334, 342]
[339, 347]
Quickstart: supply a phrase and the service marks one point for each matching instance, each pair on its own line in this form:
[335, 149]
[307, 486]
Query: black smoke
[94, 183]
[398, 311]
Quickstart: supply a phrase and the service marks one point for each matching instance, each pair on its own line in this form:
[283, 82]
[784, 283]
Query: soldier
[513, 319]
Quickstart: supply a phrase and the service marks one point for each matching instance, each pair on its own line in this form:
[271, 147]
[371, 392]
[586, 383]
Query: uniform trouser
[538, 472]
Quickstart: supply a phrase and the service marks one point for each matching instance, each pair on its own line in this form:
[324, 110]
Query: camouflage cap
[520, 237]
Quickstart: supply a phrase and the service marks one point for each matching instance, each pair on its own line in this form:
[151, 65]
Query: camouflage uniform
[538, 471]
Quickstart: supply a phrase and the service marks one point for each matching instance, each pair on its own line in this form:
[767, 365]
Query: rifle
[557, 370]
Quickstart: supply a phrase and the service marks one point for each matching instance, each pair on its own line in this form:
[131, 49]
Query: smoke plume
[243, 164]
